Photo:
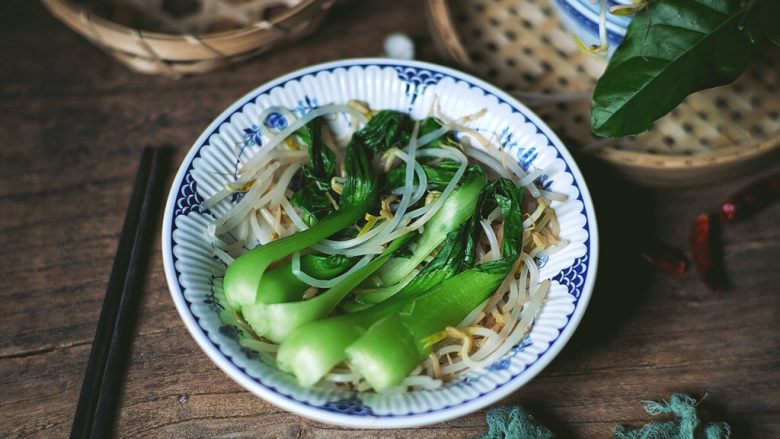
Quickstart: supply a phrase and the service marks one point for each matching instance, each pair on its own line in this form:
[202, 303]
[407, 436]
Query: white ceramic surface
[194, 276]
[581, 18]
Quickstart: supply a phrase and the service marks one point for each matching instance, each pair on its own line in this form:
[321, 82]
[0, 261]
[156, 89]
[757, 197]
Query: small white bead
[399, 46]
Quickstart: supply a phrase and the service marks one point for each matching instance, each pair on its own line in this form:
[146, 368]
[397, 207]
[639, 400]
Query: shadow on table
[712, 410]
[624, 212]
[545, 415]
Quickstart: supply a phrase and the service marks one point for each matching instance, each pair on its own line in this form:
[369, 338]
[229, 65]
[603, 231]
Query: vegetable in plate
[311, 351]
[243, 277]
[396, 236]
[445, 304]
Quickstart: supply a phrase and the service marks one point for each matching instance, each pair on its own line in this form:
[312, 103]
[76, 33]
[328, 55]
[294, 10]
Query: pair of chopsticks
[110, 348]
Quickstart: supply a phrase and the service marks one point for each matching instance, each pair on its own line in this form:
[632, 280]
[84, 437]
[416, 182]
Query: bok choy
[276, 321]
[281, 285]
[457, 208]
[243, 277]
[412, 331]
[376, 245]
[315, 348]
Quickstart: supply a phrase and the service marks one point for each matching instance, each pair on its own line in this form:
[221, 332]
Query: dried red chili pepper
[664, 257]
[706, 251]
[751, 199]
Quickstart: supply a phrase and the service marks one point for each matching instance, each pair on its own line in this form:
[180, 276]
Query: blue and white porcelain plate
[581, 18]
[195, 276]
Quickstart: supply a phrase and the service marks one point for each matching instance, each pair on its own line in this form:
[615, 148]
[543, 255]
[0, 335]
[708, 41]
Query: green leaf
[322, 161]
[313, 203]
[312, 198]
[439, 175]
[672, 49]
[445, 304]
[432, 124]
[761, 20]
[386, 129]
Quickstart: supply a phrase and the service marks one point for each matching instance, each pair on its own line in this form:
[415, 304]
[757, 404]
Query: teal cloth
[686, 426]
[514, 423]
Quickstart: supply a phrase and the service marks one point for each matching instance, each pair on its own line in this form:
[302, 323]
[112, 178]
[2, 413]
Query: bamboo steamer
[186, 52]
[520, 46]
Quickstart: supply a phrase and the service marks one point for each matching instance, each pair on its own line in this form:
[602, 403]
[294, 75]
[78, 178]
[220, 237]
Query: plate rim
[363, 421]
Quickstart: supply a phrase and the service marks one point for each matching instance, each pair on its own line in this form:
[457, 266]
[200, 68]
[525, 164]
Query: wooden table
[72, 127]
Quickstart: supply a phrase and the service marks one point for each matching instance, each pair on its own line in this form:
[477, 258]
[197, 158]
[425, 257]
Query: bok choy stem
[281, 285]
[243, 276]
[446, 304]
[315, 348]
[456, 210]
[276, 321]
[310, 352]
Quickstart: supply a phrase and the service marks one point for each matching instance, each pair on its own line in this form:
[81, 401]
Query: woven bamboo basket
[520, 46]
[221, 32]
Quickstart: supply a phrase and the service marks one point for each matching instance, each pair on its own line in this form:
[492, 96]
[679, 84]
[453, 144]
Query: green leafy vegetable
[413, 300]
[446, 304]
[430, 125]
[313, 196]
[243, 276]
[281, 285]
[438, 175]
[387, 128]
[315, 348]
[456, 210]
[276, 321]
[313, 204]
[761, 19]
[322, 161]
[672, 49]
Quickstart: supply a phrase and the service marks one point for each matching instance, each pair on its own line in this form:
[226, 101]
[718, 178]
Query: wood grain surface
[72, 126]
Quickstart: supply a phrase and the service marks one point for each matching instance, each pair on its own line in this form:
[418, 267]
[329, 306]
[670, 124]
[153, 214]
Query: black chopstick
[106, 364]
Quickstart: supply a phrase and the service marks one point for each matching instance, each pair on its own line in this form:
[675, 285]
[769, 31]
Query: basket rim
[645, 160]
[98, 20]
[444, 31]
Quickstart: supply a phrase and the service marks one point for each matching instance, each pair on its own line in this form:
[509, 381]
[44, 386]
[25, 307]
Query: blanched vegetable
[281, 285]
[447, 304]
[276, 321]
[314, 198]
[387, 128]
[311, 351]
[379, 250]
[456, 210]
[314, 349]
[243, 276]
[438, 175]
